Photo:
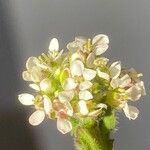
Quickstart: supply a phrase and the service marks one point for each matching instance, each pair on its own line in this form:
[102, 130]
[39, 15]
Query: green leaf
[110, 121]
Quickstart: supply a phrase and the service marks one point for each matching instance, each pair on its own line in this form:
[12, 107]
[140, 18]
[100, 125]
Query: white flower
[38, 116]
[65, 97]
[114, 72]
[136, 88]
[134, 75]
[122, 82]
[78, 44]
[64, 110]
[131, 112]
[98, 45]
[34, 70]
[26, 99]
[77, 70]
[93, 47]
[54, 49]
[63, 124]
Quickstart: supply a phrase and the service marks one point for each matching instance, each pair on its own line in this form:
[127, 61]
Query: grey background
[26, 27]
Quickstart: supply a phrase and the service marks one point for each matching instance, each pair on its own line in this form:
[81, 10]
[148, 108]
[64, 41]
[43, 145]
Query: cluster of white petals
[80, 83]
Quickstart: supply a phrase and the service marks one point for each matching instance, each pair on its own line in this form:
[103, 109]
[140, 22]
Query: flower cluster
[79, 83]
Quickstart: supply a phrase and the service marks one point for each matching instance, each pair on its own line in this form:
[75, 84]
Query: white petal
[54, 45]
[45, 85]
[75, 56]
[26, 76]
[36, 74]
[115, 69]
[72, 46]
[77, 68]
[134, 92]
[115, 83]
[47, 104]
[69, 84]
[31, 62]
[34, 86]
[125, 81]
[100, 49]
[83, 107]
[89, 74]
[85, 85]
[101, 106]
[90, 60]
[37, 117]
[95, 113]
[131, 112]
[102, 75]
[65, 96]
[69, 108]
[100, 38]
[43, 66]
[85, 95]
[26, 99]
[81, 39]
[64, 126]
[141, 85]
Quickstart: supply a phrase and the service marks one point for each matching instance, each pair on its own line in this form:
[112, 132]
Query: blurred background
[26, 26]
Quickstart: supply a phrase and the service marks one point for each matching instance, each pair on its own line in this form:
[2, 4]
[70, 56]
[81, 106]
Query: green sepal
[110, 121]
[57, 73]
[63, 76]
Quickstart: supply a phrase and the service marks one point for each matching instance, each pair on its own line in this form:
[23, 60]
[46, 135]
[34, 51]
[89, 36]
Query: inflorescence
[79, 83]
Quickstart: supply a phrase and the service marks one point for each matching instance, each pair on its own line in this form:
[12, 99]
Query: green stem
[97, 137]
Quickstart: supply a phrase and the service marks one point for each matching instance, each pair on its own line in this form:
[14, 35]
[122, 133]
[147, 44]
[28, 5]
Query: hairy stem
[94, 138]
